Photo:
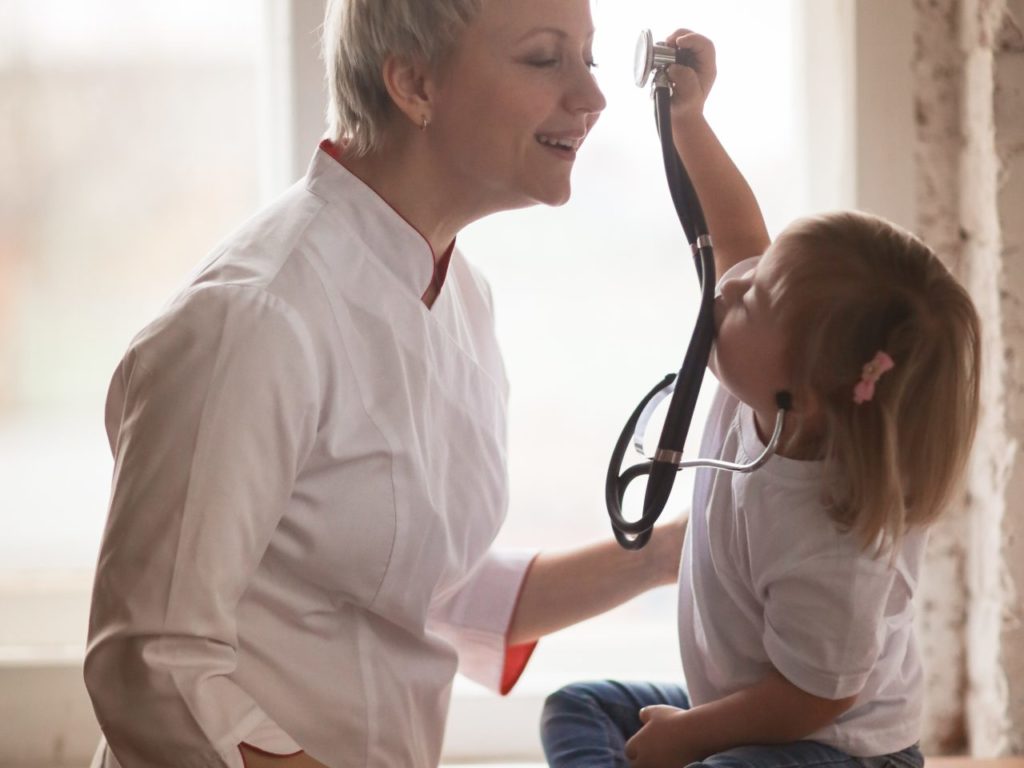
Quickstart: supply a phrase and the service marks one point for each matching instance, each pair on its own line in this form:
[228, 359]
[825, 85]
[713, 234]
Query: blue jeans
[588, 724]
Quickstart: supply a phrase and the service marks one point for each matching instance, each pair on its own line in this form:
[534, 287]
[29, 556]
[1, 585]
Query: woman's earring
[424, 123]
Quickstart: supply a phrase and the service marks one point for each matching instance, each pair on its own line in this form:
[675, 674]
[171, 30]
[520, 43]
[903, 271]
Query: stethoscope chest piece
[651, 56]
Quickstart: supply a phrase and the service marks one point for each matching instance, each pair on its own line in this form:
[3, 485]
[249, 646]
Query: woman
[310, 442]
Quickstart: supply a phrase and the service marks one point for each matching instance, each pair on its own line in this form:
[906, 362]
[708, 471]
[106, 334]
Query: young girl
[797, 581]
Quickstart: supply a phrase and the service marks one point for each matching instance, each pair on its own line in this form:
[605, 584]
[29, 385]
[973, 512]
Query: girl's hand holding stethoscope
[692, 82]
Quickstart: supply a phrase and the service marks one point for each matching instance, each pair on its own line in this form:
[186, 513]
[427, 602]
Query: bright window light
[596, 301]
[126, 152]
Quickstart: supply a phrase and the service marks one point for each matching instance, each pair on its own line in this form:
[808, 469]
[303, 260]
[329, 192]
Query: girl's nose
[732, 287]
[737, 284]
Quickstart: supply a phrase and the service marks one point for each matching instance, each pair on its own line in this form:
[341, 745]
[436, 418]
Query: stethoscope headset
[684, 387]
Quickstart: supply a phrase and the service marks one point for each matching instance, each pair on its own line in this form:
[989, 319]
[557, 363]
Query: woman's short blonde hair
[857, 285]
[359, 36]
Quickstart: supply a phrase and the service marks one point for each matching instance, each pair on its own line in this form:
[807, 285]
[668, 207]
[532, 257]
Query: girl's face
[750, 346]
[516, 102]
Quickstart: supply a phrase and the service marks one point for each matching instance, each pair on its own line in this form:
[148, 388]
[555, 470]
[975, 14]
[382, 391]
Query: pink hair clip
[864, 390]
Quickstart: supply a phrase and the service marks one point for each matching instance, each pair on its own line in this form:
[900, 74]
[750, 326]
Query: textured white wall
[992, 209]
[969, 78]
[942, 612]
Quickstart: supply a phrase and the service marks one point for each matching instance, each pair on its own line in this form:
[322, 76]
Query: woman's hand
[692, 82]
[255, 758]
[661, 743]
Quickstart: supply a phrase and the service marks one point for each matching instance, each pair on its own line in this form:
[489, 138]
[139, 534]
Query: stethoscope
[661, 468]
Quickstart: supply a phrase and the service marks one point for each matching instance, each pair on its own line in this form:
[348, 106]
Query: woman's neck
[403, 175]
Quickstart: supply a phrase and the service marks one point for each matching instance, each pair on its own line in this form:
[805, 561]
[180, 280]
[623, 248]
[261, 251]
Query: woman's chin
[555, 196]
[561, 200]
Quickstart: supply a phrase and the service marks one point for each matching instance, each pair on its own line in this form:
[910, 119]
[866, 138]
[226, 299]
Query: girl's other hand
[661, 742]
[692, 82]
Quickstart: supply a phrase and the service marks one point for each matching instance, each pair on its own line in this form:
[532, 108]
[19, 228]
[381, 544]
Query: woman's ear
[408, 82]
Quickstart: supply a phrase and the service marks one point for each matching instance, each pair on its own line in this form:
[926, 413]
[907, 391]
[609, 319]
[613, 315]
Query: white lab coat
[310, 468]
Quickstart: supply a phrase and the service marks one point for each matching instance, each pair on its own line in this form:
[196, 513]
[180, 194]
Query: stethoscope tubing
[684, 387]
[665, 388]
[661, 470]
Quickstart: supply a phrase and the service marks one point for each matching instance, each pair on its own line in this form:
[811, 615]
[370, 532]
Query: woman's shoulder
[214, 323]
[258, 273]
[268, 251]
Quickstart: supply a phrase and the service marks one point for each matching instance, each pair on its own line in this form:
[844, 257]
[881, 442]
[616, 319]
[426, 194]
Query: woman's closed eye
[542, 62]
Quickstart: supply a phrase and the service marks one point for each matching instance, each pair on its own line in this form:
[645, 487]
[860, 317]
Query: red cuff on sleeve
[516, 658]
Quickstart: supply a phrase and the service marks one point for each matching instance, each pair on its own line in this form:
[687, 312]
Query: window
[126, 151]
[129, 153]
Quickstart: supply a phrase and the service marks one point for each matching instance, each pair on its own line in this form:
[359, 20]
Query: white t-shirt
[768, 580]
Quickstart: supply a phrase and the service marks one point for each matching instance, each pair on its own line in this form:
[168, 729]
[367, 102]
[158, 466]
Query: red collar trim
[440, 263]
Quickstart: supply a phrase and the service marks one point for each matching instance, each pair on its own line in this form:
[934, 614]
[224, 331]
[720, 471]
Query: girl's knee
[587, 724]
[575, 696]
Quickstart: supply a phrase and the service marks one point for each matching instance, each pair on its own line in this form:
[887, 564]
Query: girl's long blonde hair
[855, 285]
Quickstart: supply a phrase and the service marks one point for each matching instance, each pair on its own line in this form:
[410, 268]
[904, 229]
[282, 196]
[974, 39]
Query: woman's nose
[586, 95]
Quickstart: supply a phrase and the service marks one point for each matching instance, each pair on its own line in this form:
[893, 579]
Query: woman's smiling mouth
[564, 146]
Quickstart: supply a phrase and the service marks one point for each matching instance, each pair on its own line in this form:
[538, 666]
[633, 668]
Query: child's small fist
[693, 80]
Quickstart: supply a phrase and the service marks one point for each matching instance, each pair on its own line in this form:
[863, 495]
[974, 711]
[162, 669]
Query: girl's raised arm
[734, 218]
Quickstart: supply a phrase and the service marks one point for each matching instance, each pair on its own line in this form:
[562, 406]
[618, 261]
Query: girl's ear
[808, 419]
[807, 405]
[408, 81]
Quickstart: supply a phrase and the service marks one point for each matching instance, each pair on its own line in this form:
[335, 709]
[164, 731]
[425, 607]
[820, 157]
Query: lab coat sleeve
[476, 619]
[210, 416]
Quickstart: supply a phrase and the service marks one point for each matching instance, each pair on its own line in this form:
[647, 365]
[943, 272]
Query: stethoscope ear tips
[784, 400]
